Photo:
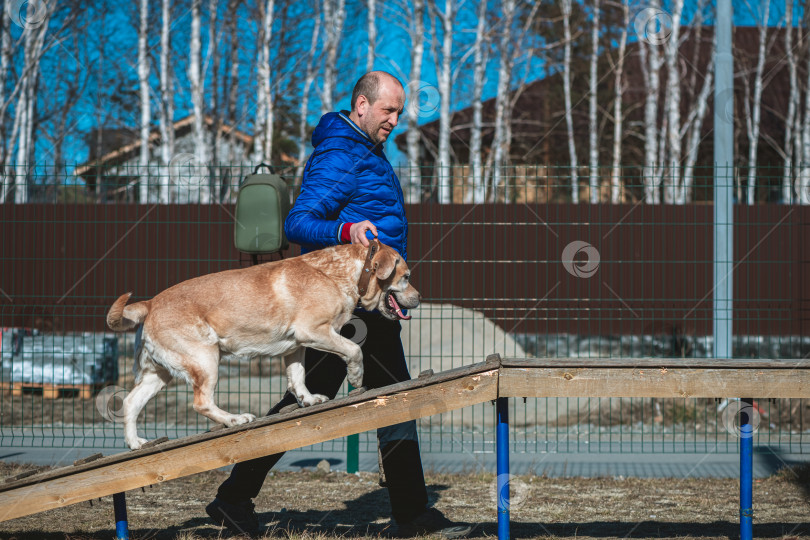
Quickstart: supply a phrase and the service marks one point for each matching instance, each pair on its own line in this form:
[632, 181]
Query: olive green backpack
[262, 205]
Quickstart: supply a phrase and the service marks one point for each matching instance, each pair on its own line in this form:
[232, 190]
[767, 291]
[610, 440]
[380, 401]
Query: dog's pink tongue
[398, 309]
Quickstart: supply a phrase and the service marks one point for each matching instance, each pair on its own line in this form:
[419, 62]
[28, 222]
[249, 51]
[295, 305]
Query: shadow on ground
[292, 527]
[368, 516]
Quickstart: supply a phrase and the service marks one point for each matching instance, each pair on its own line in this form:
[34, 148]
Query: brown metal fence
[64, 264]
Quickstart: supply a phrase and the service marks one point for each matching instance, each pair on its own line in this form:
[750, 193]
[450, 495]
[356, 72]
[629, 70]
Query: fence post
[723, 184]
[724, 241]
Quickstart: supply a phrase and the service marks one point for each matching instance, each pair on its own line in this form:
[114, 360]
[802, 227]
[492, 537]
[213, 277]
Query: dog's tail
[123, 317]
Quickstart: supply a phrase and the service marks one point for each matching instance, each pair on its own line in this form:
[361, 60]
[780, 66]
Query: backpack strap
[263, 164]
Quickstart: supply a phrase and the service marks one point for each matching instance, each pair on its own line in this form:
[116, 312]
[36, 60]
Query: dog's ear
[384, 263]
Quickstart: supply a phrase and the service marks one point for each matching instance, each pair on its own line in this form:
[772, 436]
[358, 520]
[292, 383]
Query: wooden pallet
[53, 391]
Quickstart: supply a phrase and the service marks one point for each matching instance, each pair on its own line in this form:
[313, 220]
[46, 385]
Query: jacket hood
[337, 124]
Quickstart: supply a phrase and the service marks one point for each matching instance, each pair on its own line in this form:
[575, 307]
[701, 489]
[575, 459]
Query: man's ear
[361, 105]
[384, 263]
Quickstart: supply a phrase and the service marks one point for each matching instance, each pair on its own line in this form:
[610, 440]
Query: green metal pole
[352, 450]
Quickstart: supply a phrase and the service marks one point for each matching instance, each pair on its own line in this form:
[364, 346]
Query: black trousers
[384, 363]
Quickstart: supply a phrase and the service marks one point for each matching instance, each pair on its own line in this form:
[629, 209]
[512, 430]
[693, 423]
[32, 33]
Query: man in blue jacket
[349, 190]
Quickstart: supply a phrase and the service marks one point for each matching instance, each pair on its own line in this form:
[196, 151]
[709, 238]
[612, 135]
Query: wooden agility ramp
[425, 396]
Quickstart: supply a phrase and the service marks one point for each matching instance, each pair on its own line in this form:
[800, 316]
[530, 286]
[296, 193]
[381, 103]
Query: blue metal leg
[502, 450]
[121, 526]
[746, 470]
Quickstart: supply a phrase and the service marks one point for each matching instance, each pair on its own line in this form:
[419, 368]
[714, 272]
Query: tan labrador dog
[272, 309]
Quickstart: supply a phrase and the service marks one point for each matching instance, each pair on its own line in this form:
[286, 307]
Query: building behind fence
[526, 275]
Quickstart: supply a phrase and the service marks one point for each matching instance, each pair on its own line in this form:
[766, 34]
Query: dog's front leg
[296, 380]
[354, 365]
[332, 342]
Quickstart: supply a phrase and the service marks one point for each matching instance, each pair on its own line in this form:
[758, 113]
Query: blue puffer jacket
[347, 179]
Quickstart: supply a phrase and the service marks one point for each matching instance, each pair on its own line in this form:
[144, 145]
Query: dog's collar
[368, 269]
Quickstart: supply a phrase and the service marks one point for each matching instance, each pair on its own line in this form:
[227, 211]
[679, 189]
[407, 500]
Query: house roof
[132, 149]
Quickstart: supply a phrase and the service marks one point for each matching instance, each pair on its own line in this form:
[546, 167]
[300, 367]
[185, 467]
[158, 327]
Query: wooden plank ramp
[424, 396]
[654, 378]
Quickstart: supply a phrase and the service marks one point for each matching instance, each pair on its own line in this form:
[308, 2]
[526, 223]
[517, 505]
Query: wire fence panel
[510, 266]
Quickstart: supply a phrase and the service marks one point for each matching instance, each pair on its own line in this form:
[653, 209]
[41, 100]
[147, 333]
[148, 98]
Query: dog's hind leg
[203, 377]
[150, 380]
[296, 380]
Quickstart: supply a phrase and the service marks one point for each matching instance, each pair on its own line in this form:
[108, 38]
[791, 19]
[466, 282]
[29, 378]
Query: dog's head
[390, 290]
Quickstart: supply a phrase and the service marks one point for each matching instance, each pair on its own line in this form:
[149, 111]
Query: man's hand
[357, 232]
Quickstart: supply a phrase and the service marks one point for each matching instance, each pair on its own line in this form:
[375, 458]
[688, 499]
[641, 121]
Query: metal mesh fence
[509, 265]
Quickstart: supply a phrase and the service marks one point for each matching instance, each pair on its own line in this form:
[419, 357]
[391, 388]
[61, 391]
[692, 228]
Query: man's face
[379, 119]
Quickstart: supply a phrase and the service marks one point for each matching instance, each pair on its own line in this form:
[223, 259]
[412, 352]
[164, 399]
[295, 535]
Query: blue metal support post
[746, 469]
[121, 525]
[502, 454]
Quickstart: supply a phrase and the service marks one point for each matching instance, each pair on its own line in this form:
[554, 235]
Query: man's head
[377, 101]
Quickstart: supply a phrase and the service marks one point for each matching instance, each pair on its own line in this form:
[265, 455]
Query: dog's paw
[136, 443]
[239, 419]
[355, 375]
[313, 399]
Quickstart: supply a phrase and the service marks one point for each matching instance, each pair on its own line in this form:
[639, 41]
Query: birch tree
[146, 109]
[673, 189]
[569, 117]
[417, 38]
[755, 114]
[445, 19]
[520, 49]
[372, 34]
[51, 113]
[618, 115]
[198, 180]
[334, 13]
[213, 59]
[798, 142]
[593, 125]
[803, 187]
[101, 82]
[477, 193]
[505, 65]
[651, 62]
[5, 59]
[36, 26]
[311, 72]
[695, 126]
[793, 102]
[265, 117]
[166, 109]
[21, 94]
[232, 79]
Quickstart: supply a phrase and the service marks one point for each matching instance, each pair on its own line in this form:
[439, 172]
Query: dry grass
[312, 505]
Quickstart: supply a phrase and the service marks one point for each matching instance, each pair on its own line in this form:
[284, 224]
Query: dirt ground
[319, 505]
